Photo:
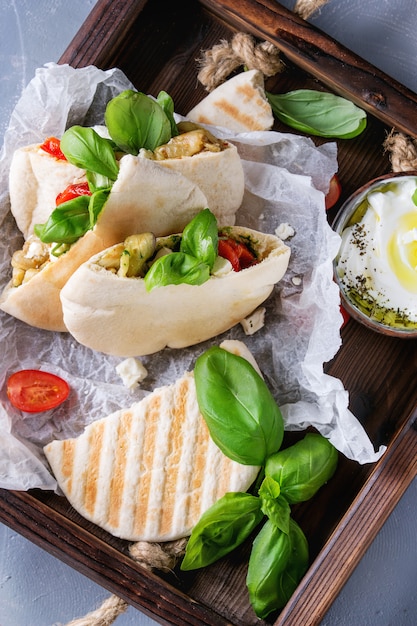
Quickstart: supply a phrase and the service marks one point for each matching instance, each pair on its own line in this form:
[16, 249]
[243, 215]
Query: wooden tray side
[334, 65]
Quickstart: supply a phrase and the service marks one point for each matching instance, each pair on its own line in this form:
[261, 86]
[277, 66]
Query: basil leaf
[174, 269]
[222, 528]
[95, 206]
[303, 468]
[268, 559]
[200, 237]
[274, 505]
[242, 416]
[318, 113]
[277, 563]
[67, 223]
[137, 121]
[296, 567]
[85, 148]
[98, 181]
[167, 104]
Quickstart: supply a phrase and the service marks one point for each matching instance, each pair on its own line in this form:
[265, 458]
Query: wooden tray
[157, 49]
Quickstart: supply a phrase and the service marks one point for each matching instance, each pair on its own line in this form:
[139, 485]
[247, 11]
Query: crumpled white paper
[286, 178]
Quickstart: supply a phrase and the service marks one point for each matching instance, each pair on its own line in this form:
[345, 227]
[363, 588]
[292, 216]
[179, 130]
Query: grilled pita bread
[157, 197]
[118, 316]
[239, 104]
[147, 473]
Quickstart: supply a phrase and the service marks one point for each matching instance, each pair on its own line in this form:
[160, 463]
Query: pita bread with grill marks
[118, 316]
[147, 473]
[239, 104]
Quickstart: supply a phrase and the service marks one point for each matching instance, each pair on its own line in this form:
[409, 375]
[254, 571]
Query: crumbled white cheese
[132, 372]
[35, 249]
[284, 231]
[296, 280]
[221, 267]
[254, 322]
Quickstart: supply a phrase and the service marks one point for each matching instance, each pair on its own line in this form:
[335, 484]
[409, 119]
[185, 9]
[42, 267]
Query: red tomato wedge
[237, 253]
[34, 391]
[52, 145]
[334, 192]
[73, 191]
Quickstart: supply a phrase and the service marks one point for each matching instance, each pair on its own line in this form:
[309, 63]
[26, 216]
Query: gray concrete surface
[38, 590]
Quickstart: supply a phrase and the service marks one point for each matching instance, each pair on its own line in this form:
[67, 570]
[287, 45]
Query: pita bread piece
[239, 104]
[147, 473]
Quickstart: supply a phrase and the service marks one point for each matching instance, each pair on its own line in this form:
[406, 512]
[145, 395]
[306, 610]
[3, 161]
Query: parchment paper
[286, 179]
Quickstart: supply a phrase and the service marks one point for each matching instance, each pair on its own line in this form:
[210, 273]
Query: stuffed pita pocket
[123, 193]
[41, 269]
[147, 293]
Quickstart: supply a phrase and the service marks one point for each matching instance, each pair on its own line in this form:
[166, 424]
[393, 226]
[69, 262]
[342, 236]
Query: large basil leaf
[67, 223]
[200, 237]
[136, 121]
[276, 565]
[318, 113]
[303, 468]
[174, 269]
[222, 528]
[85, 148]
[296, 567]
[268, 560]
[240, 411]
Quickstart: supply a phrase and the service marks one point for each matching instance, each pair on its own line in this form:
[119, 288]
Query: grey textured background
[38, 590]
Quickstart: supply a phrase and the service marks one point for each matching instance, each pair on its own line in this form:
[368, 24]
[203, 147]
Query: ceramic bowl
[351, 212]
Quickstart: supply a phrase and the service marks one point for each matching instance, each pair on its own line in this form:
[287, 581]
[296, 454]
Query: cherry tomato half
[237, 253]
[334, 192]
[34, 391]
[73, 191]
[52, 145]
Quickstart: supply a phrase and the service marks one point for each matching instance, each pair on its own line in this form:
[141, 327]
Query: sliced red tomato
[73, 191]
[34, 391]
[52, 145]
[239, 255]
[334, 192]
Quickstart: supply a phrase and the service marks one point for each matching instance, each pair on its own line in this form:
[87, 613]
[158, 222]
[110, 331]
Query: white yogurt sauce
[378, 254]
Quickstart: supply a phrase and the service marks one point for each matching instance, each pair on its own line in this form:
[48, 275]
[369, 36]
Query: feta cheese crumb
[132, 372]
[221, 267]
[284, 231]
[296, 280]
[254, 322]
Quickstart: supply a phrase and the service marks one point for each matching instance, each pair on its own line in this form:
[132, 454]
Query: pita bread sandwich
[147, 473]
[41, 269]
[115, 189]
[146, 293]
[239, 104]
[36, 178]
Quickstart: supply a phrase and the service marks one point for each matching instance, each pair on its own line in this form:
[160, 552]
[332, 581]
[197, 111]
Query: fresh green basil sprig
[134, 121]
[318, 113]
[247, 425]
[241, 414]
[195, 258]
